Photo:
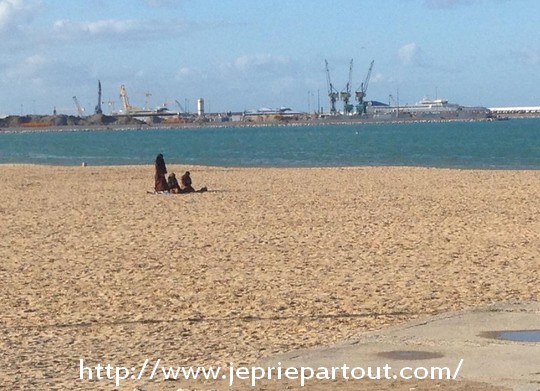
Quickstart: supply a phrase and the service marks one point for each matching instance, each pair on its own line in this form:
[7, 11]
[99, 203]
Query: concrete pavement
[442, 341]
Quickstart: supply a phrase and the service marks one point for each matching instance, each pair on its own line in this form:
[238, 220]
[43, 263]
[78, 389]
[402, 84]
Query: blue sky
[244, 55]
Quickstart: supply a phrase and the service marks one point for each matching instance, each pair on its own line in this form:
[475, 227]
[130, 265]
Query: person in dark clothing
[186, 183]
[174, 187]
[160, 181]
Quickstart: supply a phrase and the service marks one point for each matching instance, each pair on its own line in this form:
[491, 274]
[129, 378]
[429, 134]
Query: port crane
[80, 109]
[332, 92]
[361, 92]
[182, 110]
[98, 109]
[345, 95]
[125, 100]
[147, 95]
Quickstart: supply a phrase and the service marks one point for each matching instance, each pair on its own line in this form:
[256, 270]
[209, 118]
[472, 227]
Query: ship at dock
[427, 109]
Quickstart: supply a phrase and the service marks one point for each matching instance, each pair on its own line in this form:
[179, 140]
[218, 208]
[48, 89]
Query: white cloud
[259, 63]
[410, 54]
[242, 78]
[528, 57]
[128, 29]
[37, 71]
[29, 68]
[379, 78]
[27, 74]
[100, 27]
[188, 74]
[15, 12]
[258, 60]
[282, 85]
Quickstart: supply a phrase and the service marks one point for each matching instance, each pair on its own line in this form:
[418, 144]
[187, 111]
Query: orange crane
[124, 98]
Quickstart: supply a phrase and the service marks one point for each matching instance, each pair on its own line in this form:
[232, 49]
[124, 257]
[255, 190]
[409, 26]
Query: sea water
[513, 144]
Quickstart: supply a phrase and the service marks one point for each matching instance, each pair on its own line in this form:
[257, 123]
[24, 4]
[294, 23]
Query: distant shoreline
[239, 124]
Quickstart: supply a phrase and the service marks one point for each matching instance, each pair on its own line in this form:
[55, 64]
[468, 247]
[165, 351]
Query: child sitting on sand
[174, 187]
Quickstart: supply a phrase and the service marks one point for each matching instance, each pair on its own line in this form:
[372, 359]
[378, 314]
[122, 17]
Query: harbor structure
[517, 111]
[200, 107]
[427, 109]
[346, 94]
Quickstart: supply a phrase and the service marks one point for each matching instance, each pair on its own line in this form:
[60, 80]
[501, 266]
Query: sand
[268, 261]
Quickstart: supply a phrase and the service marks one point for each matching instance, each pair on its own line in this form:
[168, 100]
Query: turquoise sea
[513, 144]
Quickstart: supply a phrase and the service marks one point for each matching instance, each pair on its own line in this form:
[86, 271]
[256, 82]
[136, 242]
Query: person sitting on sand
[187, 184]
[174, 187]
[160, 184]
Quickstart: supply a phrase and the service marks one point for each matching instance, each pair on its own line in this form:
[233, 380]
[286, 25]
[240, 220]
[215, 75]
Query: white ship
[429, 109]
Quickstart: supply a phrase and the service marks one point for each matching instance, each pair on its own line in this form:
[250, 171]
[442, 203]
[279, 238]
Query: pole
[397, 102]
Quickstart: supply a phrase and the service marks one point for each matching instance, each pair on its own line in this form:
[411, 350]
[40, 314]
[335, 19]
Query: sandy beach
[267, 261]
